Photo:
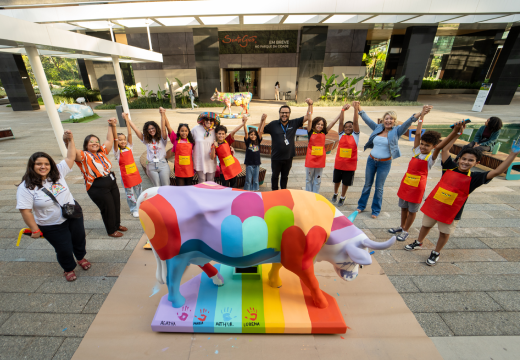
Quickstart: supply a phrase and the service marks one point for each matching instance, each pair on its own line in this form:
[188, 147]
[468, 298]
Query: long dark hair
[494, 124]
[277, 83]
[253, 131]
[190, 137]
[33, 179]
[317, 120]
[86, 141]
[147, 137]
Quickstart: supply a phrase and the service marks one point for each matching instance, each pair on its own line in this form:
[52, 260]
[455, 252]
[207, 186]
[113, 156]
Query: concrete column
[120, 84]
[48, 101]
[91, 74]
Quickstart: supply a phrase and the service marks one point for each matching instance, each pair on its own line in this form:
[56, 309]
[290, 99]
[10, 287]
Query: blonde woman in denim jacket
[384, 144]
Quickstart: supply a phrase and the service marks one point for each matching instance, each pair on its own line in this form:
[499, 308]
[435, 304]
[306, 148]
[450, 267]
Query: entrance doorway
[243, 80]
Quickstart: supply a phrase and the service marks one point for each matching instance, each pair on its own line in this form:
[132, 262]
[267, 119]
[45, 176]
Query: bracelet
[309, 112]
[342, 109]
[36, 232]
[420, 121]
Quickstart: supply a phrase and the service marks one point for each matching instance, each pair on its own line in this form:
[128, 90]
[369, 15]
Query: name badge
[286, 142]
[155, 160]
[228, 160]
[317, 151]
[445, 196]
[412, 180]
[184, 160]
[112, 176]
[345, 153]
[130, 169]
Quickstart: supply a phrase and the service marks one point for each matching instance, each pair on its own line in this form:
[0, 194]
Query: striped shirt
[95, 165]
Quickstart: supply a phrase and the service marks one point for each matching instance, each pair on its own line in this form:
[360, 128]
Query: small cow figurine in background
[239, 99]
[77, 111]
[290, 228]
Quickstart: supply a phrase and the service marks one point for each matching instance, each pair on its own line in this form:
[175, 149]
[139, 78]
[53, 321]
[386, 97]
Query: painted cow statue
[239, 99]
[77, 111]
[290, 228]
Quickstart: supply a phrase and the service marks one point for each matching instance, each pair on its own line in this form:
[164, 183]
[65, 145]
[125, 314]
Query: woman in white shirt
[204, 136]
[277, 91]
[155, 138]
[41, 213]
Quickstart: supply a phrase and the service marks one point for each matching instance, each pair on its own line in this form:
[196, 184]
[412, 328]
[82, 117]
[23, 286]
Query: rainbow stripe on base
[247, 304]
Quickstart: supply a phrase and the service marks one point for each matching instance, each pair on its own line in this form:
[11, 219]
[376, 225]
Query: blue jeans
[313, 179]
[132, 194]
[252, 172]
[381, 168]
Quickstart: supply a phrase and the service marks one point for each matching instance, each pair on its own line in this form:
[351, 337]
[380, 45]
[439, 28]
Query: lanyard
[100, 158]
[154, 148]
[284, 130]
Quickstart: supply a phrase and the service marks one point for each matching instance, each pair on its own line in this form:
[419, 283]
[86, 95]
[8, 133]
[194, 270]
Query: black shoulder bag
[69, 211]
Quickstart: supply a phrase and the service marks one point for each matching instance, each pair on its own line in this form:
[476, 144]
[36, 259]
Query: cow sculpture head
[348, 247]
[217, 96]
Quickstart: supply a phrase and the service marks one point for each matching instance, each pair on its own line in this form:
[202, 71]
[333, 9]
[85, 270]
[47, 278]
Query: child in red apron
[229, 165]
[183, 144]
[129, 172]
[345, 164]
[445, 204]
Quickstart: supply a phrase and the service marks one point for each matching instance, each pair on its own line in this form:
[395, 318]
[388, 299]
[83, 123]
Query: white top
[431, 161]
[45, 211]
[277, 87]
[159, 152]
[202, 150]
[116, 150]
[354, 134]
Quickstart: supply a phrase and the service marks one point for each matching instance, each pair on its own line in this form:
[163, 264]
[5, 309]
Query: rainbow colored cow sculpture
[238, 99]
[290, 228]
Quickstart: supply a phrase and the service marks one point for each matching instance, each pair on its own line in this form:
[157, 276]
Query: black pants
[105, 194]
[228, 183]
[183, 181]
[470, 145]
[280, 167]
[67, 239]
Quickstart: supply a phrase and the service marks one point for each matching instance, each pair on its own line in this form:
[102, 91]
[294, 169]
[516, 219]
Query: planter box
[458, 91]
[429, 92]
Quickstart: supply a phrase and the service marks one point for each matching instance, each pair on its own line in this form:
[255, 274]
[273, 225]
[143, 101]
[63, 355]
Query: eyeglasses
[284, 113]
[93, 142]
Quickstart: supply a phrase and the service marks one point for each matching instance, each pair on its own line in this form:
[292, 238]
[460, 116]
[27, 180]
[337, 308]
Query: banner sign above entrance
[257, 42]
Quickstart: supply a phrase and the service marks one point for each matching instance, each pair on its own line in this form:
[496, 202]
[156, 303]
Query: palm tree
[372, 58]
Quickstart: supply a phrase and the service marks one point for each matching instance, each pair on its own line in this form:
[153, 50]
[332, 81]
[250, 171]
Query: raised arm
[262, 125]
[340, 117]
[136, 130]
[417, 140]
[71, 148]
[129, 134]
[401, 129]
[308, 115]
[355, 120]
[457, 129]
[515, 149]
[246, 135]
[243, 124]
[357, 108]
[447, 140]
[110, 134]
[164, 129]
[114, 134]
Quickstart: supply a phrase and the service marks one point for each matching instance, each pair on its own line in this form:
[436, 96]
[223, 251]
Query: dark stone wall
[312, 57]
[248, 61]
[344, 47]
[392, 58]
[84, 73]
[107, 82]
[506, 74]
[417, 45]
[16, 83]
[205, 42]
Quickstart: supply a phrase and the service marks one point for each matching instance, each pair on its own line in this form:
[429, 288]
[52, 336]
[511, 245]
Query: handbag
[69, 211]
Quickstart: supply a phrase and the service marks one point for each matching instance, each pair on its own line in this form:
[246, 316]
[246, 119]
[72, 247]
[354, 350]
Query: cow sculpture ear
[357, 254]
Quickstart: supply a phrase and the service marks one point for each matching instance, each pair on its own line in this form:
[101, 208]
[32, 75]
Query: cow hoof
[275, 283]
[320, 301]
[177, 301]
[218, 280]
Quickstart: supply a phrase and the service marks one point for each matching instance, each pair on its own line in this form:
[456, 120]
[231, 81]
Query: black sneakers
[341, 201]
[402, 236]
[334, 198]
[434, 257]
[413, 246]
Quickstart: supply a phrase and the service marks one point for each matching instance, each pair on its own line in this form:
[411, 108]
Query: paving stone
[483, 232]
[456, 283]
[509, 254]
[12, 254]
[114, 244]
[108, 256]
[483, 323]
[502, 243]
[38, 324]
[450, 302]
[10, 243]
[433, 325]
[500, 214]
[102, 234]
[420, 269]
[20, 283]
[495, 223]
[488, 207]
[53, 269]
[94, 304]
[43, 303]
[447, 255]
[67, 348]
[463, 243]
[403, 284]
[83, 285]
[383, 256]
[509, 300]
[131, 244]
[4, 316]
[22, 347]
[492, 268]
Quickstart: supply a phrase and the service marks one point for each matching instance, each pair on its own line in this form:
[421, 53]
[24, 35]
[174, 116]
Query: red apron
[413, 184]
[316, 151]
[346, 155]
[184, 160]
[228, 163]
[129, 172]
[448, 197]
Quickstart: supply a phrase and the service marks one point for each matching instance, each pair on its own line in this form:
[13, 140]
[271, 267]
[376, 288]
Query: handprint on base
[203, 315]
[226, 314]
[184, 313]
[253, 313]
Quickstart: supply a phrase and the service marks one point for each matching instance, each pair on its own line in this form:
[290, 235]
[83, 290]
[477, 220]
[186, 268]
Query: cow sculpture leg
[274, 276]
[213, 274]
[175, 269]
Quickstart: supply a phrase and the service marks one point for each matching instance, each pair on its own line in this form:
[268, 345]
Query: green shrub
[363, 103]
[58, 99]
[75, 92]
[449, 84]
[152, 103]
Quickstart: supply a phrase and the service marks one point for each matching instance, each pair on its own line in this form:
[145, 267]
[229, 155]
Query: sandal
[122, 228]
[84, 264]
[116, 234]
[70, 276]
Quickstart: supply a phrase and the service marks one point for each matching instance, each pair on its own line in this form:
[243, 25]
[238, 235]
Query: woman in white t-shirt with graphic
[41, 213]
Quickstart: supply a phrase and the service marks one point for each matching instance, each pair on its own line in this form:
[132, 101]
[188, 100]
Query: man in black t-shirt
[283, 133]
[468, 158]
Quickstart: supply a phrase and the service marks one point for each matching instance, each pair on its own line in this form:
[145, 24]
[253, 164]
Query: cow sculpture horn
[378, 245]
[352, 216]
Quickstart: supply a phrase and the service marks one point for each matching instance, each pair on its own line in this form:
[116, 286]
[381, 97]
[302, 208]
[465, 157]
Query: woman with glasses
[155, 138]
[100, 179]
[204, 137]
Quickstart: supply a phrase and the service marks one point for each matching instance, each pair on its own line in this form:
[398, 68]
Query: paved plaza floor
[472, 293]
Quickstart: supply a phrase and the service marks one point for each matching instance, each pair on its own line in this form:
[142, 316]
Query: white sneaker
[135, 214]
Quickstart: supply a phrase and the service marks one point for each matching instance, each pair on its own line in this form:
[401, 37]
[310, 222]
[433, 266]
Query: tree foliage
[56, 69]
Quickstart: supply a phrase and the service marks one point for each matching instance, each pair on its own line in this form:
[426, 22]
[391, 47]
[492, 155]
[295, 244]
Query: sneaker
[395, 230]
[341, 201]
[434, 257]
[402, 236]
[334, 198]
[135, 214]
[413, 246]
